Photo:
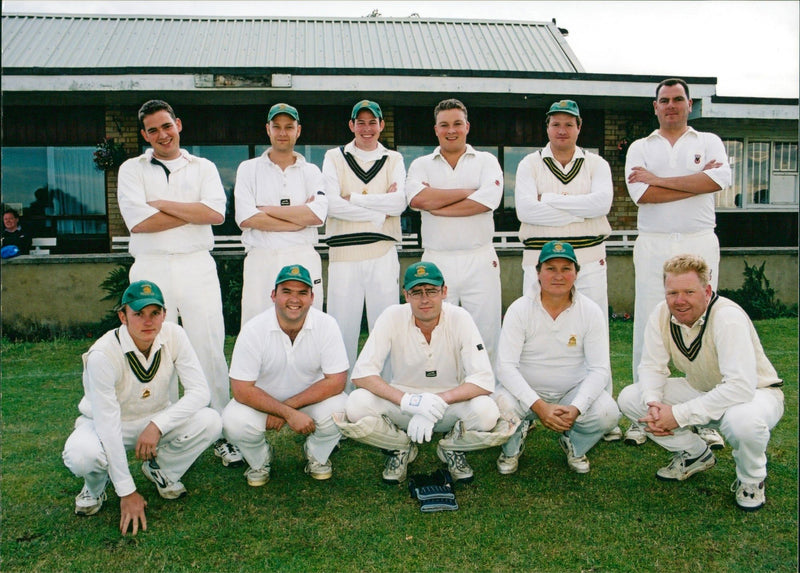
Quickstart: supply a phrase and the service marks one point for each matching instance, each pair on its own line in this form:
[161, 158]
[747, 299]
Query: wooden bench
[39, 242]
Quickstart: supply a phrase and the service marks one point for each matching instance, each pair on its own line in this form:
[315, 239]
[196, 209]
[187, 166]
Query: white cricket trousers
[190, 287]
[351, 284]
[746, 426]
[472, 278]
[650, 252]
[479, 413]
[261, 268]
[244, 427]
[85, 457]
[586, 431]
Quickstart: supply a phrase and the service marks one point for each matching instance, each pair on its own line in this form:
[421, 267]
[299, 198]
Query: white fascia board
[327, 83]
[743, 110]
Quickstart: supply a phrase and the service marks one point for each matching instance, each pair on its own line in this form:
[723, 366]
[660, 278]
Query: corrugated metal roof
[59, 43]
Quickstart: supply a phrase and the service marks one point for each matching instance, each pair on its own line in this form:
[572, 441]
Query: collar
[438, 151]
[148, 155]
[690, 130]
[353, 150]
[547, 152]
[298, 159]
[274, 326]
[127, 344]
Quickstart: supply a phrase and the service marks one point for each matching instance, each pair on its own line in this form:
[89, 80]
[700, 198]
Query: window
[764, 174]
[227, 159]
[59, 191]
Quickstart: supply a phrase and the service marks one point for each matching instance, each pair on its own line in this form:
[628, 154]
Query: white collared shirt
[265, 354]
[477, 170]
[260, 182]
[690, 153]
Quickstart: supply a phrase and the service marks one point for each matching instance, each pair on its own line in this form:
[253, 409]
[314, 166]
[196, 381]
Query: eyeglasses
[426, 292]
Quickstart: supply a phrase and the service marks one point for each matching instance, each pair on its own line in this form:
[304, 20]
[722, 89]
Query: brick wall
[123, 127]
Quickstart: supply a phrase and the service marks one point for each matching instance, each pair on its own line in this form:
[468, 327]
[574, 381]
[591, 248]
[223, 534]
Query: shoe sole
[257, 483]
[320, 476]
[746, 508]
[228, 463]
[87, 511]
[717, 446]
[634, 442]
[412, 455]
[507, 471]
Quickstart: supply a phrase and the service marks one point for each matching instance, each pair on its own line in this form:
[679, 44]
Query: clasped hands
[426, 409]
[659, 419]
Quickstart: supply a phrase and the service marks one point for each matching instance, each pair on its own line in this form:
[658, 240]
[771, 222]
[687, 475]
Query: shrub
[756, 297]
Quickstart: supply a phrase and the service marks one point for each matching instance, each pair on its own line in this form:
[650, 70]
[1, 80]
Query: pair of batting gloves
[425, 409]
[434, 491]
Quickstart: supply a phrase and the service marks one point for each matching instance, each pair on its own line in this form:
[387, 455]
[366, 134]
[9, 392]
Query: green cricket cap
[565, 106]
[422, 273]
[557, 250]
[141, 294]
[280, 108]
[372, 106]
[294, 273]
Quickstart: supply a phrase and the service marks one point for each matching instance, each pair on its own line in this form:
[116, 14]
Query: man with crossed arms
[280, 202]
[672, 175]
[366, 196]
[457, 189]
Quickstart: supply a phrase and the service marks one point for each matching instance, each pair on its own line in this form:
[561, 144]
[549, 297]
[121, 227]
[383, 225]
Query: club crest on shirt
[430, 374]
[697, 159]
[146, 393]
[572, 341]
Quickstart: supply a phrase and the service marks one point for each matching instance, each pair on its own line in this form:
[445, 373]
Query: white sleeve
[99, 377]
[340, 208]
[212, 193]
[527, 205]
[598, 361]
[635, 158]
[737, 362]
[390, 204]
[376, 349]
[131, 194]
[715, 149]
[474, 356]
[596, 203]
[415, 181]
[509, 349]
[490, 190]
[333, 354]
[244, 193]
[654, 365]
[315, 187]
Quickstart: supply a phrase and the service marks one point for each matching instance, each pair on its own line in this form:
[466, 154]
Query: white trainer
[166, 488]
[228, 453]
[613, 435]
[578, 464]
[456, 464]
[681, 467]
[395, 468]
[749, 496]
[256, 477]
[316, 469]
[711, 437]
[86, 504]
[635, 435]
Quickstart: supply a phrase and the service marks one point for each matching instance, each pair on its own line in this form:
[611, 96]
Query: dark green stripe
[364, 176]
[560, 175]
[536, 243]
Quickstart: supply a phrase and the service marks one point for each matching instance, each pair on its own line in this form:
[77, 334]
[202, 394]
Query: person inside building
[13, 235]
[728, 382]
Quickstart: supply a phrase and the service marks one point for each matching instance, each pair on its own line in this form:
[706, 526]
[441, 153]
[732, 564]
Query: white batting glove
[427, 404]
[420, 428]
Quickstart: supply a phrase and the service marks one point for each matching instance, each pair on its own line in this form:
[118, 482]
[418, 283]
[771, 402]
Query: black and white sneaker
[86, 504]
[228, 453]
[682, 467]
[166, 488]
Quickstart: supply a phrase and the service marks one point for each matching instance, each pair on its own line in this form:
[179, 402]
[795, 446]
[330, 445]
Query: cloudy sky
[750, 47]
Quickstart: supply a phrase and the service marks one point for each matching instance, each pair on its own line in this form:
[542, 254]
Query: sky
[752, 48]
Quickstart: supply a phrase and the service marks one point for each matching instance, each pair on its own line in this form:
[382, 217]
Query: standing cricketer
[672, 175]
[366, 196]
[280, 201]
[289, 367]
[127, 377]
[457, 188]
[169, 199]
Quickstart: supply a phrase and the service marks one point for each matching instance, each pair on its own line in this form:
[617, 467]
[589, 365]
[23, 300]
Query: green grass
[543, 518]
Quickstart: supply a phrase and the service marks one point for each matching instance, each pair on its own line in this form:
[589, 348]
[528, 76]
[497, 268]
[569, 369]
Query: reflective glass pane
[731, 197]
[757, 172]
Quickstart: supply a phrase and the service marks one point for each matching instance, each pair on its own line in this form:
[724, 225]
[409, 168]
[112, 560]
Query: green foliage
[543, 518]
[756, 297]
[230, 272]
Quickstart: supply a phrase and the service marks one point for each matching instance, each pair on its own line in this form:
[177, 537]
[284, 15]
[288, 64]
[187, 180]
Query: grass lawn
[543, 518]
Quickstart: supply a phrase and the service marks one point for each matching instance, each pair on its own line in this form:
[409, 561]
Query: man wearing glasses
[442, 381]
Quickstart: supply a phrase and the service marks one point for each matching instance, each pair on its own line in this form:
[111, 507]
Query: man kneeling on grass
[553, 363]
[729, 382]
[441, 381]
[289, 367]
[127, 375]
